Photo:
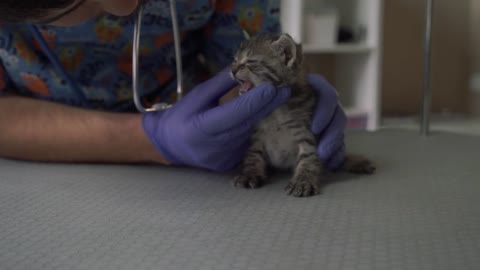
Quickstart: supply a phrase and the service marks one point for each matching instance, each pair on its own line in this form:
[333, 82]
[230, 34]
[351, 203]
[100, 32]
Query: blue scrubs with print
[96, 55]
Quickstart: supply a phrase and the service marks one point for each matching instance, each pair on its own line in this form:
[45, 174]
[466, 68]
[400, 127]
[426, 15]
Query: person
[83, 111]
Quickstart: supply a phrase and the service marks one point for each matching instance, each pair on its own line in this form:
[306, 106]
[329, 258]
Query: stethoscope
[135, 65]
[135, 57]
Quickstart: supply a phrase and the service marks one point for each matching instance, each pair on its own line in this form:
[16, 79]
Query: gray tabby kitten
[283, 139]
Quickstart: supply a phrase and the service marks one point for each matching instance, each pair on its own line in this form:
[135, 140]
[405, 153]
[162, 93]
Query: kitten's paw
[359, 165]
[249, 181]
[302, 188]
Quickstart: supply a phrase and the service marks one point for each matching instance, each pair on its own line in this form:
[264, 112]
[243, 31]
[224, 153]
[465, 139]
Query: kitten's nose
[234, 70]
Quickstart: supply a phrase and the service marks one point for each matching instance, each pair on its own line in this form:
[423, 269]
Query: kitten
[283, 139]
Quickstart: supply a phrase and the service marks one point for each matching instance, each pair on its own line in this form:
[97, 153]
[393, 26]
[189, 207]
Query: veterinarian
[66, 83]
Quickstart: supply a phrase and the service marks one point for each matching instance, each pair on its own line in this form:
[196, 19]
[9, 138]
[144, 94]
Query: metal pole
[178, 53]
[427, 95]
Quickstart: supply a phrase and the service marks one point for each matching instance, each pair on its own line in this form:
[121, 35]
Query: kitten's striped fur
[284, 138]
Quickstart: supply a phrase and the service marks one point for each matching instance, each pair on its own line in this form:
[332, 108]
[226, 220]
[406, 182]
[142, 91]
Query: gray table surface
[420, 211]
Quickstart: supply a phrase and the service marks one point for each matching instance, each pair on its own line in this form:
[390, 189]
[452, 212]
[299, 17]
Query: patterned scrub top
[97, 54]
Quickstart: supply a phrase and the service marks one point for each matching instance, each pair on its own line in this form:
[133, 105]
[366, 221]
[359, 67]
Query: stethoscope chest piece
[161, 106]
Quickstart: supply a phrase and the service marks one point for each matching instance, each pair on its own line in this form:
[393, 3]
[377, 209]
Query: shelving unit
[340, 48]
[357, 63]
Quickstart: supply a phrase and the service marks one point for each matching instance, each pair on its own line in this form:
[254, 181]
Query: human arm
[44, 131]
[196, 131]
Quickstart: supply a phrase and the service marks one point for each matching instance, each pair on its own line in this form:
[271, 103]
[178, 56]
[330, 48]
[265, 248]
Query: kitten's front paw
[302, 188]
[249, 181]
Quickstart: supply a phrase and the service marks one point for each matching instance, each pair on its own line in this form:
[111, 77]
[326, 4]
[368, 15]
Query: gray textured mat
[420, 211]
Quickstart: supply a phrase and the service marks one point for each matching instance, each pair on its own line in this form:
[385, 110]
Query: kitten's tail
[358, 164]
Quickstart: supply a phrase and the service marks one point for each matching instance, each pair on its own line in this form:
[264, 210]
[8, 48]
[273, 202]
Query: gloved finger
[327, 101]
[333, 136]
[239, 134]
[283, 95]
[230, 160]
[246, 109]
[217, 159]
[337, 160]
[208, 92]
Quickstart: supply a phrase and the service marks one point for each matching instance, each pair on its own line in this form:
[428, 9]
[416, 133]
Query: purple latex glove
[199, 132]
[329, 123]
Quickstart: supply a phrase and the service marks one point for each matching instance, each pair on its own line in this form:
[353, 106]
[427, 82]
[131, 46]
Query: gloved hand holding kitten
[199, 132]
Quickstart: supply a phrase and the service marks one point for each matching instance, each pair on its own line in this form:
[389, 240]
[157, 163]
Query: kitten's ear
[287, 48]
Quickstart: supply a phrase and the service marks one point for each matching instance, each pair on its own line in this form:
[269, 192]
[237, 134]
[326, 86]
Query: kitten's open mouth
[245, 87]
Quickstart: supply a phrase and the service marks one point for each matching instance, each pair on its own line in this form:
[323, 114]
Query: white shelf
[338, 48]
[357, 66]
[355, 112]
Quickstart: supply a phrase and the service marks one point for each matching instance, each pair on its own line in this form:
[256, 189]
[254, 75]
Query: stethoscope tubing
[135, 59]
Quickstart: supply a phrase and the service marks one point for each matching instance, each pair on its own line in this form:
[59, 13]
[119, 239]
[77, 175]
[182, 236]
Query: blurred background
[372, 51]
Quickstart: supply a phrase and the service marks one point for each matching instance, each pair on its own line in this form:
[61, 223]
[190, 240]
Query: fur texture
[283, 140]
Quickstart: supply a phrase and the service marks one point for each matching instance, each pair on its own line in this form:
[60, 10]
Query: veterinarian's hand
[329, 123]
[199, 132]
